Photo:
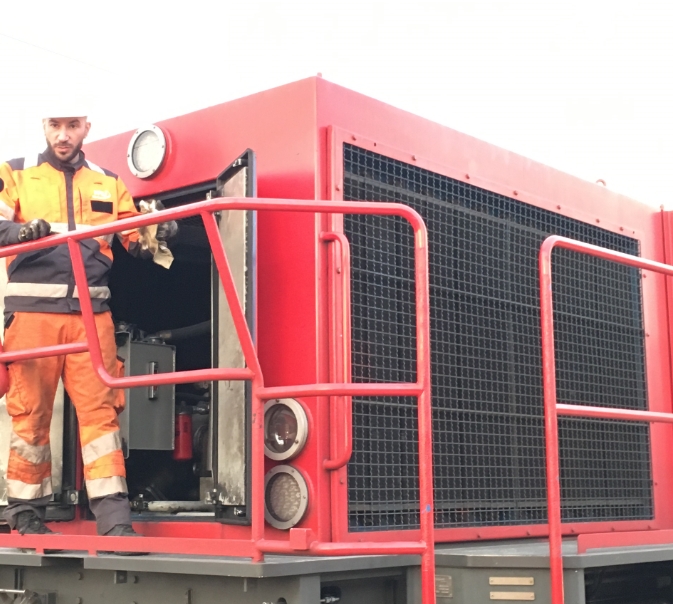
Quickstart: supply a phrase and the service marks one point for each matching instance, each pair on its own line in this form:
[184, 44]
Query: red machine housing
[298, 132]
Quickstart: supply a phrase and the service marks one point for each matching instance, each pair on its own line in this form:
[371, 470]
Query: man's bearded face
[65, 136]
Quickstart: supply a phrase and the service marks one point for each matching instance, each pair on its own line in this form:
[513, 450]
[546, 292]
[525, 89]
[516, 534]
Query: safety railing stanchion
[551, 429]
[551, 405]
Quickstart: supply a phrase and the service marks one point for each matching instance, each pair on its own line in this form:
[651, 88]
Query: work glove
[165, 230]
[35, 229]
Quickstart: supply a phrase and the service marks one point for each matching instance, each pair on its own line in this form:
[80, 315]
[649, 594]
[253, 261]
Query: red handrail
[253, 372]
[341, 313]
[552, 408]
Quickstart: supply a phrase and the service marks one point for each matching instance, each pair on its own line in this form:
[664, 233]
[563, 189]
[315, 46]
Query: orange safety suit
[42, 308]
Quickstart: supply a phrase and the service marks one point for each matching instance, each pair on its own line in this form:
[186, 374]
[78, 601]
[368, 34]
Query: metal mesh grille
[486, 358]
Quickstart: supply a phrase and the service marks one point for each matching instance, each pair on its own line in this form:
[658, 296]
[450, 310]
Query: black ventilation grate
[486, 359]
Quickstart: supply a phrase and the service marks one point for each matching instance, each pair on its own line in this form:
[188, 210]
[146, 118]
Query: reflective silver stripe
[94, 167]
[95, 292]
[30, 163]
[25, 490]
[51, 290]
[62, 227]
[37, 290]
[100, 487]
[59, 227]
[6, 212]
[103, 445]
[32, 453]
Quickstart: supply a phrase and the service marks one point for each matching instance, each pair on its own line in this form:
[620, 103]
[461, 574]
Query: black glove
[165, 230]
[35, 229]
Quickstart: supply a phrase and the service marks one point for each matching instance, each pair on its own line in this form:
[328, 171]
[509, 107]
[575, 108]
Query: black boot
[123, 530]
[29, 523]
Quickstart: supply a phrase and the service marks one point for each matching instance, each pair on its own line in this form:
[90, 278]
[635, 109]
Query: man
[58, 191]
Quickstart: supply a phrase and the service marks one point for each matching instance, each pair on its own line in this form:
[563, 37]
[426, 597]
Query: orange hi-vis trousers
[30, 402]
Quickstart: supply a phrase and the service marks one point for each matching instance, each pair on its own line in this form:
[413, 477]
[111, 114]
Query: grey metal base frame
[466, 574]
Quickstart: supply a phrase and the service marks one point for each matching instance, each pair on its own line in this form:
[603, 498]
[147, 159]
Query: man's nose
[62, 134]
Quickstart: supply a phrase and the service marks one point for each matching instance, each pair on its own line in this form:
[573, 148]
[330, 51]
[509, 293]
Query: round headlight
[285, 497]
[285, 429]
[146, 151]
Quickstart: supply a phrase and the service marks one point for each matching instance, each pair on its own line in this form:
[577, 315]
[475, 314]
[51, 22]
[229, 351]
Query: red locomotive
[332, 447]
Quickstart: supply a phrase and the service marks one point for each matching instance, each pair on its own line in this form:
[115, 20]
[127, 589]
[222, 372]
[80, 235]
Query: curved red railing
[552, 408]
[258, 545]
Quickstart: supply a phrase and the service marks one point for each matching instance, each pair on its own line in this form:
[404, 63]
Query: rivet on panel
[467, 177]
[413, 157]
[353, 137]
[515, 192]
[337, 187]
[647, 335]
[375, 144]
[558, 207]
[598, 220]
[621, 228]
[478, 535]
[644, 276]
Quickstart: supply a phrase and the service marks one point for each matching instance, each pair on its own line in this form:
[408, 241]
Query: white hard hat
[70, 106]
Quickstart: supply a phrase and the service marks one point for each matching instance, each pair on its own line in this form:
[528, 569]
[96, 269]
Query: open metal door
[230, 409]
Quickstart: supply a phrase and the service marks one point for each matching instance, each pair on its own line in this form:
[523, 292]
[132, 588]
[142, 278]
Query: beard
[72, 153]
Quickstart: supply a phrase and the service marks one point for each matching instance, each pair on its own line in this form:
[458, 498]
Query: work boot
[29, 523]
[123, 530]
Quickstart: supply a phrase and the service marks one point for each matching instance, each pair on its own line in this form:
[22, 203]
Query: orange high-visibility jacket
[67, 196]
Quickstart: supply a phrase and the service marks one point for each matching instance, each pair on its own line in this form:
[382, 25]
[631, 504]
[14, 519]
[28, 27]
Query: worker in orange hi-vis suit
[55, 191]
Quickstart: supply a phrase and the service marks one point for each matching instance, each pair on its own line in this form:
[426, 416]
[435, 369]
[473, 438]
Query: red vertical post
[551, 423]
[424, 409]
[86, 308]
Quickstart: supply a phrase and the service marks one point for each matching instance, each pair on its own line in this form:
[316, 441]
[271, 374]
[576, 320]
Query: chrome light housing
[146, 151]
[285, 497]
[285, 429]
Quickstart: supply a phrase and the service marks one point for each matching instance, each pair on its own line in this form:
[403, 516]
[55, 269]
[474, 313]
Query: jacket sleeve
[127, 209]
[9, 206]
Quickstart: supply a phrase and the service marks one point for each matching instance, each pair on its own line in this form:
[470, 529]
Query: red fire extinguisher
[183, 435]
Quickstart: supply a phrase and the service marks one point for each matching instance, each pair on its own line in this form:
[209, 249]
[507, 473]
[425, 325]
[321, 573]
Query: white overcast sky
[586, 87]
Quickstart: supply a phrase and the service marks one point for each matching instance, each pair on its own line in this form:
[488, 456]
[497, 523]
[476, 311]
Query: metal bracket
[74, 497]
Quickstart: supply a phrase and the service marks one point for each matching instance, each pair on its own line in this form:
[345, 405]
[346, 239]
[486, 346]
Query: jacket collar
[48, 156]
